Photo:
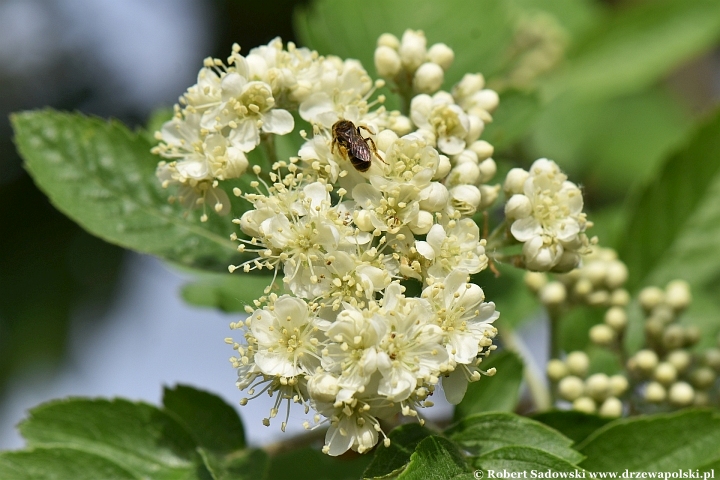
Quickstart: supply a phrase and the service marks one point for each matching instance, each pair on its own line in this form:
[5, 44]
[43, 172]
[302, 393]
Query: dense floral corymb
[344, 337]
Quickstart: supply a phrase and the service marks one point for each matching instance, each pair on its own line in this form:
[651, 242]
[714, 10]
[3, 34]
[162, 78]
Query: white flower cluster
[344, 339]
[546, 214]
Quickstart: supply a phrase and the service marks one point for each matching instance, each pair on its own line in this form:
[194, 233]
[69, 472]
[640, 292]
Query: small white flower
[456, 246]
[445, 120]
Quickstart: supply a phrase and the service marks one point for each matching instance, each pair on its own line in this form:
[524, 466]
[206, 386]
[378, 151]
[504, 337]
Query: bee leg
[371, 143]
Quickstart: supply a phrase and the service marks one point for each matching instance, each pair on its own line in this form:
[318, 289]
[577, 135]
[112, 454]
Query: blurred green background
[623, 95]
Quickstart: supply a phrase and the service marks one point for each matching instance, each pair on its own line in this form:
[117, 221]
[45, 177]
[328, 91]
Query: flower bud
[488, 195]
[677, 294]
[680, 359]
[413, 49]
[712, 358]
[703, 378]
[578, 363]
[385, 139]
[464, 173]
[585, 405]
[620, 297]
[483, 149]
[616, 318]
[692, 335]
[388, 40]
[486, 99]
[646, 360]
[665, 373]
[611, 408]
[428, 78]
[597, 298]
[654, 328]
[553, 294]
[673, 337]
[434, 197]
[400, 124]
[535, 280]
[616, 274]
[477, 126]
[602, 335]
[518, 206]
[595, 272]
[650, 297]
[515, 181]
[387, 62]
[570, 388]
[466, 156]
[654, 392]
[618, 385]
[583, 287]
[422, 223]
[323, 387]
[470, 83]
[681, 394]
[556, 370]
[465, 198]
[488, 169]
[443, 168]
[441, 54]
[597, 386]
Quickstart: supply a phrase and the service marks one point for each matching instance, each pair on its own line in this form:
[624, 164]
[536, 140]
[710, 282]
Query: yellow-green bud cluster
[597, 393]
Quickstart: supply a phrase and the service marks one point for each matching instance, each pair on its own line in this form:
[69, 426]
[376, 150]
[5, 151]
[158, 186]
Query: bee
[353, 145]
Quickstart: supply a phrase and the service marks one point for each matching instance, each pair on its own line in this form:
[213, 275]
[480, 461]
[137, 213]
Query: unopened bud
[518, 206]
[665, 373]
[428, 78]
[646, 360]
[387, 62]
[578, 363]
[556, 370]
[712, 358]
[553, 294]
[483, 149]
[597, 386]
[441, 54]
[487, 99]
[620, 297]
[650, 297]
[535, 280]
[611, 408]
[654, 392]
[412, 49]
[677, 294]
[585, 405]
[422, 223]
[570, 388]
[515, 181]
[618, 385]
[434, 197]
[602, 335]
[388, 40]
[673, 337]
[681, 394]
[443, 169]
[703, 378]
[488, 169]
[465, 156]
[616, 318]
[680, 359]
[488, 195]
[616, 274]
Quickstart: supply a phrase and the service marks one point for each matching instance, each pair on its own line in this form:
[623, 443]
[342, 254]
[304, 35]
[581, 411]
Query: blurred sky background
[79, 317]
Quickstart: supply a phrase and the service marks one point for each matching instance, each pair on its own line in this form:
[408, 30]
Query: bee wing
[358, 147]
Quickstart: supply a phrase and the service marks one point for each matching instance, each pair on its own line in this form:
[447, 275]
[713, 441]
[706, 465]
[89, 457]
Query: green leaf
[638, 46]
[229, 292]
[489, 431]
[213, 424]
[523, 459]
[435, 458]
[662, 442]
[575, 425]
[317, 466]
[140, 438]
[674, 222]
[480, 34]
[599, 138]
[103, 177]
[59, 464]
[250, 464]
[496, 393]
[512, 120]
[393, 459]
